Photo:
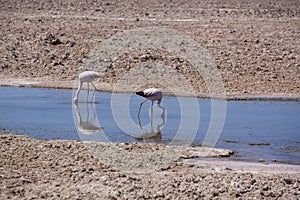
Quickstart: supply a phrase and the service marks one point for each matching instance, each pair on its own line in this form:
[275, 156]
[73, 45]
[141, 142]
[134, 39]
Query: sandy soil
[255, 47]
[255, 44]
[36, 169]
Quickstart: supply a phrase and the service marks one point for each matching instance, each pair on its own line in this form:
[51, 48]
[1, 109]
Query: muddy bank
[33, 168]
[103, 87]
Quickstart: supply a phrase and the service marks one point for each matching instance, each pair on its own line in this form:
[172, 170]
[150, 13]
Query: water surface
[253, 129]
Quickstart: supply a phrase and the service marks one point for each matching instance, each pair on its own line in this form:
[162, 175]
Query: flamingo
[88, 77]
[152, 94]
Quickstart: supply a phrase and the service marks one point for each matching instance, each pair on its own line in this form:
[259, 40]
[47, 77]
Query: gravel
[255, 49]
[37, 169]
[254, 44]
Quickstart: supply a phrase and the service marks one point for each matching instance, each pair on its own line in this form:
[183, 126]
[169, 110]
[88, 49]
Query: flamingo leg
[152, 106]
[139, 120]
[141, 107]
[95, 89]
[151, 118]
[163, 108]
[88, 92]
[163, 119]
[93, 109]
[77, 92]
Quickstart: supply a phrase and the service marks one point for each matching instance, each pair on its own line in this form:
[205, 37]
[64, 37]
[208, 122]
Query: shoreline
[248, 166]
[213, 157]
[192, 155]
[37, 83]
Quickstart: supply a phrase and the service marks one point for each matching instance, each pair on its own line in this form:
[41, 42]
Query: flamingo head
[140, 93]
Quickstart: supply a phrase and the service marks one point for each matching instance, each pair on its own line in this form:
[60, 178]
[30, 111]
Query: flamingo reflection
[152, 135]
[87, 122]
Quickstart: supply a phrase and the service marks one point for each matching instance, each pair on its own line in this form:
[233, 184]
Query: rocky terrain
[35, 169]
[254, 45]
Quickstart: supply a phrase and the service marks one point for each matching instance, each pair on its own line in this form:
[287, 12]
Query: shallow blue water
[49, 114]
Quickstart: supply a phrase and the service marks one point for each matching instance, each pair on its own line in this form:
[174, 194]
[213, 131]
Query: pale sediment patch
[245, 167]
[107, 87]
[149, 157]
[19, 82]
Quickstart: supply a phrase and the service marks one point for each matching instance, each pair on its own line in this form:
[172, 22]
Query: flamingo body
[88, 77]
[152, 94]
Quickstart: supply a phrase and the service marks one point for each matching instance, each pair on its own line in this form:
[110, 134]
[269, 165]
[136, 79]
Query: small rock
[164, 168]
[215, 194]
[25, 180]
[159, 194]
[272, 194]
[266, 188]
[115, 193]
[230, 141]
[253, 181]
[288, 180]
[259, 144]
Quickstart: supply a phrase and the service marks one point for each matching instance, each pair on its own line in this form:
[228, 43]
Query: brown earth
[255, 45]
[36, 169]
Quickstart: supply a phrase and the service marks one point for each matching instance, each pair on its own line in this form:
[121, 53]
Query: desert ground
[253, 45]
[36, 169]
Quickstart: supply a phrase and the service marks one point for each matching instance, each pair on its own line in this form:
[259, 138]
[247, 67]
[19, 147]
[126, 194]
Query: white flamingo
[88, 77]
[152, 94]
